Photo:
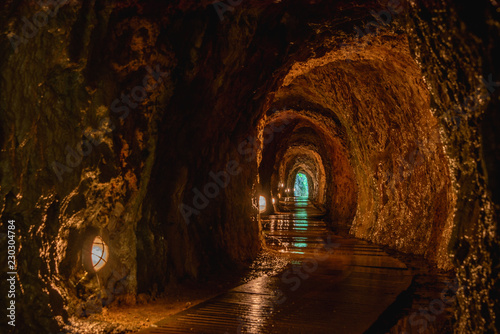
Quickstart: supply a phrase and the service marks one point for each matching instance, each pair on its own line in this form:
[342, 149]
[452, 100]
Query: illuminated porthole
[262, 204]
[100, 254]
[95, 254]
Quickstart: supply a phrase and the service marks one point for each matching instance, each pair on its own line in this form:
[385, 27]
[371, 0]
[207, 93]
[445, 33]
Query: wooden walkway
[333, 285]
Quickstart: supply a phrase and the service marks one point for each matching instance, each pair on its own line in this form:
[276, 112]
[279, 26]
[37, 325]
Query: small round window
[99, 254]
[262, 204]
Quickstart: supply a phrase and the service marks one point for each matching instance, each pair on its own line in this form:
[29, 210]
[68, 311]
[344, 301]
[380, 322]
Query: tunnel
[301, 185]
[232, 166]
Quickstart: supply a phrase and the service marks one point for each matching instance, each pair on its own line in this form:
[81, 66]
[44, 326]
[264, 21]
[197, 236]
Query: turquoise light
[301, 185]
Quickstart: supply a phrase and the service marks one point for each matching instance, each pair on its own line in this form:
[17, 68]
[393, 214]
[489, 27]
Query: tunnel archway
[262, 204]
[314, 143]
[387, 156]
[394, 154]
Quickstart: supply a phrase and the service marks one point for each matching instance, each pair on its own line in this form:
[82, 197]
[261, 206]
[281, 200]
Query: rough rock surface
[456, 45]
[373, 121]
[388, 167]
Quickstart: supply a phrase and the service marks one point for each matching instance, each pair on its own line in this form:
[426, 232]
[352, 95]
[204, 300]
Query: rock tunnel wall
[456, 45]
[170, 98]
[77, 150]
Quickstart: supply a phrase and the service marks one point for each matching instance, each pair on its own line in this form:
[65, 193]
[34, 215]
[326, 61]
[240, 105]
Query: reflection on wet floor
[292, 232]
[333, 284]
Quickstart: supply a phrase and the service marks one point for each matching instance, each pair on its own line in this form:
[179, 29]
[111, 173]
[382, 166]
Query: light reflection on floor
[295, 228]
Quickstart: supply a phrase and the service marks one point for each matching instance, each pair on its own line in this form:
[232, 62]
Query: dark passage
[271, 166]
[331, 283]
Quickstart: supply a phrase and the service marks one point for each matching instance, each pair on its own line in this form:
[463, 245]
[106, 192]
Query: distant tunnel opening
[301, 186]
[309, 158]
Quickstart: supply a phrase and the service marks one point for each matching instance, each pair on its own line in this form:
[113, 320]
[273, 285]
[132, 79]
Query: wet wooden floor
[333, 285]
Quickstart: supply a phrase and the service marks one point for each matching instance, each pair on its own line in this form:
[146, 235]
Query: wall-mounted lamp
[95, 254]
